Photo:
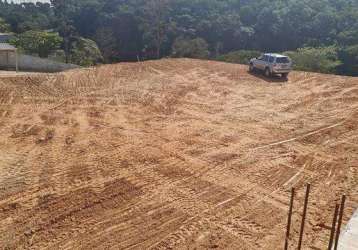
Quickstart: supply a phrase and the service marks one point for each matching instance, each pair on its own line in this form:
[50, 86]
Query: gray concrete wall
[32, 63]
[349, 236]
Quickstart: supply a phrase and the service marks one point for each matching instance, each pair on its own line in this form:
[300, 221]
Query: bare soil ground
[173, 154]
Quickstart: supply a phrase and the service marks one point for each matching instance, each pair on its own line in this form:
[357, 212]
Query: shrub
[4, 27]
[85, 52]
[349, 58]
[191, 48]
[323, 59]
[240, 56]
[37, 42]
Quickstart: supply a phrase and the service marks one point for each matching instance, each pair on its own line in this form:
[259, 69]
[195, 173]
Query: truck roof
[274, 54]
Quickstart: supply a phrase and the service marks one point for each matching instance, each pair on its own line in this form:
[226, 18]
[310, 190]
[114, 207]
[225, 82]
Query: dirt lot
[173, 154]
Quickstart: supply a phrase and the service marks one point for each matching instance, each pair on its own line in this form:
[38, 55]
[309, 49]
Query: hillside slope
[182, 154]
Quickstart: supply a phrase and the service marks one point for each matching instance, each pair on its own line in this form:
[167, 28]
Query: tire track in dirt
[159, 155]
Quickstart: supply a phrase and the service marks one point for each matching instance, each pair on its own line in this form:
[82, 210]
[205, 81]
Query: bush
[323, 59]
[85, 52]
[37, 42]
[191, 48]
[240, 56]
[4, 27]
[349, 58]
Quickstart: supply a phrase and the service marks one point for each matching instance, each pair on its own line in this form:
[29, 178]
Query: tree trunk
[66, 50]
[158, 43]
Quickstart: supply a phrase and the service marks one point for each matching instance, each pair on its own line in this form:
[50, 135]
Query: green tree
[324, 59]
[85, 52]
[64, 11]
[106, 41]
[125, 29]
[38, 42]
[155, 23]
[349, 58]
[4, 27]
[191, 48]
[240, 56]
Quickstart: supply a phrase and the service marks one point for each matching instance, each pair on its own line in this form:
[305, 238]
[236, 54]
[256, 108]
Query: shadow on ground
[274, 78]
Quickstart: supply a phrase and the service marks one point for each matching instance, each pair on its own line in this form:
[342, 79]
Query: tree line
[320, 35]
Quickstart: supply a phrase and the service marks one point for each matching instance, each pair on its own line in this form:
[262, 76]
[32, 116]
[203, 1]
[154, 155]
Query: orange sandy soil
[173, 154]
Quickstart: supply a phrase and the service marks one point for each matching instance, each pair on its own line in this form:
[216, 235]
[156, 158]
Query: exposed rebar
[304, 216]
[333, 228]
[289, 218]
[341, 211]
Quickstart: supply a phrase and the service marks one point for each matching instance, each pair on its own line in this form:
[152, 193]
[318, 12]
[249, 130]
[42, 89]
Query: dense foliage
[85, 52]
[191, 48]
[240, 56]
[126, 30]
[37, 42]
[4, 27]
[316, 59]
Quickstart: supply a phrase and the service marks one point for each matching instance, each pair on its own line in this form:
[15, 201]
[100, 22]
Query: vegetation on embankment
[321, 35]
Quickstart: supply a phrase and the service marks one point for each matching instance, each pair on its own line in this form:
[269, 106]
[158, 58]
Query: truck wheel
[284, 75]
[267, 72]
[251, 67]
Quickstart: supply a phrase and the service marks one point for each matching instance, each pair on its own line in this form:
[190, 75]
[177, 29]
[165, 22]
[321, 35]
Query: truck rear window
[282, 60]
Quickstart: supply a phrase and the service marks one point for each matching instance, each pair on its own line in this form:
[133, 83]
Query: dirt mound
[182, 154]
